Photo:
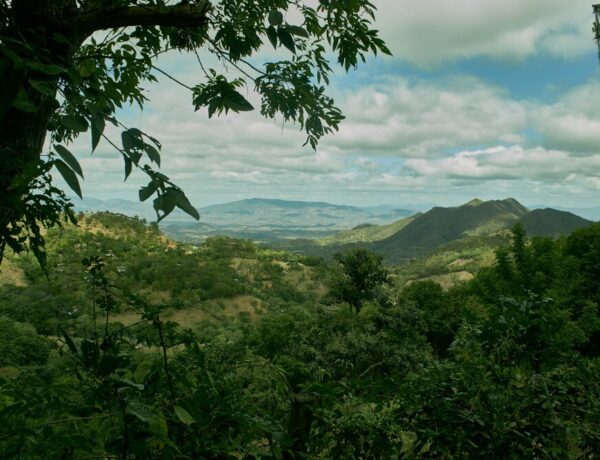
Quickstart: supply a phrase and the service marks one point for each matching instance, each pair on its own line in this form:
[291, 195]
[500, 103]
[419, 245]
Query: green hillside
[551, 222]
[227, 350]
[443, 225]
[366, 233]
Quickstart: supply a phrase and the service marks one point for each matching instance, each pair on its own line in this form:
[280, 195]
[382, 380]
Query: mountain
[366, 233]
[591, 213]
[552, 222]
[443, 225]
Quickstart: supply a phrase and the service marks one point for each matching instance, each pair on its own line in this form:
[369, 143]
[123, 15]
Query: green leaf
[152, 153]
[23, 102]
[74, 123]
[147, 191]
[69, 176]
[49, 69]
[69, 158]
[98, 125]
[70, 343]
[272, 35]
[129, 383]
[165, 203]
[238, 103]
[296, 30]
[286, 39]
[141, 412]
[128, 166]
[184, 204]
[43, 87]
[184, 416]
[158, 426]
[275, 18]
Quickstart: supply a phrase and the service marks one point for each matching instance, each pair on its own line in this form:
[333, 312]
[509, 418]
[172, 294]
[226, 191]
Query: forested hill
[475, 219]
[139, 347]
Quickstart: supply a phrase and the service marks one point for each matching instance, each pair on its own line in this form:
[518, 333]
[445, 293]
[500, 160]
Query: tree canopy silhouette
[67, 66]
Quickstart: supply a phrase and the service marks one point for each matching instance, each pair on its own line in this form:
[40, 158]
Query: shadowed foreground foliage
[504, 366]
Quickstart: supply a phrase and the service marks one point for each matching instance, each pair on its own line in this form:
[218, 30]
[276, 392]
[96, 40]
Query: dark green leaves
[170, 198]
[286, 39]
[69, 176]
[148, 191]
[272, 35]
[74, 123]
[220, 95]
[69, 159]
[184, 416]
[98, 125]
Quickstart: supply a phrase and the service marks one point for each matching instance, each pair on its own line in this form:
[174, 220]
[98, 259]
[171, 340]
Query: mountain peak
[473, 202]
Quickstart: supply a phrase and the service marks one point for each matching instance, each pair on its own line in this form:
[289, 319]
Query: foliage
[361, 277]
[71, 76]
[504, 366]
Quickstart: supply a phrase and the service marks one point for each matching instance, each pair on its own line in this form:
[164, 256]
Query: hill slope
[443, 225]
[551, 222]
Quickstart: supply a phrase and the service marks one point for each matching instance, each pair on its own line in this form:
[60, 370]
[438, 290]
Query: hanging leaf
[165, 203]
[272, 35]
[141, 412]
[128, 166]
[286, 39]
[69, 158]
[98, 125]
[184, 416]
[296, 30]
[152, 154]
[184, 204]
[238, 103]
[43, 87]
[74, 123]
[147, 191]
[69, 176]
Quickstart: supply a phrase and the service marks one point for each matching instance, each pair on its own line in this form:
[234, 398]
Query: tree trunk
[22, 134]
[36, 32]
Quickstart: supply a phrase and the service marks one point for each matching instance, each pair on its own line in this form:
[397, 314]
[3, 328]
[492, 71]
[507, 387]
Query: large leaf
[69, 176]
[272, 35]
[43, 87]
[69, 158]
[74, 123]
[147, 191]
[184, 416]
[152, 153]
[184, 204]
[286, 39]
[98, 125]
[238, 103]
[296, 30]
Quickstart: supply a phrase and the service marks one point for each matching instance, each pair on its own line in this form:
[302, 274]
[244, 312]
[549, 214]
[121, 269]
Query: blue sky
[482, 98]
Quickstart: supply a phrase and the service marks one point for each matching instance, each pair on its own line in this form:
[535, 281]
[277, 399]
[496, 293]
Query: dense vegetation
[95, 365]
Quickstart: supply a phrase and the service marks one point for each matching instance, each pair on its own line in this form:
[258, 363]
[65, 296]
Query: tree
[362, 275]
[68, 65]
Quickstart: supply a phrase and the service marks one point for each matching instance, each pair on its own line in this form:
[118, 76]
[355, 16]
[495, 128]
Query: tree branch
[181, 15]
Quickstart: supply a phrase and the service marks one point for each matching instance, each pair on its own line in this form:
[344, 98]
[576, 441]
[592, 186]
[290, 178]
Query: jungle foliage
[504, 366]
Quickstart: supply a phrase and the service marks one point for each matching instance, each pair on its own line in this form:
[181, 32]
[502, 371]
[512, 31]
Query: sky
[481, 98]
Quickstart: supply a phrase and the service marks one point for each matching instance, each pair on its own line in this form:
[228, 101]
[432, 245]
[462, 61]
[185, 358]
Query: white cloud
[431, 32]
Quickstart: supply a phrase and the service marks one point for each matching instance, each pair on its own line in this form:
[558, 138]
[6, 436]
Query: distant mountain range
[256, 218]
